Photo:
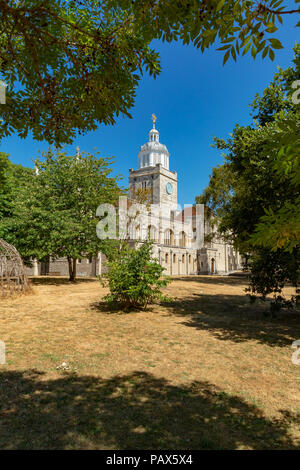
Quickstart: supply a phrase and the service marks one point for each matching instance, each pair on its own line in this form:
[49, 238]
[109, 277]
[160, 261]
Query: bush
[135, 278]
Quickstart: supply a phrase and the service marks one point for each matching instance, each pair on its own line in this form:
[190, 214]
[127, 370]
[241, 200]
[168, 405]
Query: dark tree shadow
[136, 411]
[232, 317]
[59, 281]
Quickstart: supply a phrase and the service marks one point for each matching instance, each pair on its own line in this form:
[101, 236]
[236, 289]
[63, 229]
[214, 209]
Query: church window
[137, 232]
[152, 233]
[182, 239]
[174, 258]
[183, 258]
[167, 258]
[169, 237]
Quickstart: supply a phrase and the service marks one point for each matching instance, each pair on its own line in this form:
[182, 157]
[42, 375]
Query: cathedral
[184, 241]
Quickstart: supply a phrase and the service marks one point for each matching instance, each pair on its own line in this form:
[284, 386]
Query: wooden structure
[13, 278]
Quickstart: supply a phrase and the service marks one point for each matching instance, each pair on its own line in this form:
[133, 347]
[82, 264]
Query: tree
[11, 178]
[4, 186]
[70, 65]
[135, 278]
[256, 193]
[55, 210]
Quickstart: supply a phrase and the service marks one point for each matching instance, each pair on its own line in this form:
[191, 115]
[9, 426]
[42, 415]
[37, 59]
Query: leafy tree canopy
[70, 65]
[54, 211]
[11, 177]
[256, 193]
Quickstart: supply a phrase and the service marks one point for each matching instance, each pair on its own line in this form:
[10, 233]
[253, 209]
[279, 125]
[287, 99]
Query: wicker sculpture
[13, 278]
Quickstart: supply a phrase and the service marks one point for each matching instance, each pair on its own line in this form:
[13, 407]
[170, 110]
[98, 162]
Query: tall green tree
[256, 193]
[11, 178]
[70, 65]
[4, 185]
[54, 213]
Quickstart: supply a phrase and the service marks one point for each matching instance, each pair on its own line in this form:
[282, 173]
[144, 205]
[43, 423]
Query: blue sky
[194, 98]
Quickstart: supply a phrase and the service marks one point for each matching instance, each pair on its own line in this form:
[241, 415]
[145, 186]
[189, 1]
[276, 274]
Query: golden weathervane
[154, 120]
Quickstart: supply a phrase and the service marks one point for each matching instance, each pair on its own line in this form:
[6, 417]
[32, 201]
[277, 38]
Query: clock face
[169, 188]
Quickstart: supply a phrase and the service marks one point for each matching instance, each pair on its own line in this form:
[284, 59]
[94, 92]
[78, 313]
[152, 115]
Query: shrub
[135, 278]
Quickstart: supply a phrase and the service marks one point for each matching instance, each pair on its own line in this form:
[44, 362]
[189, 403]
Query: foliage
[70, 65]
[217, 195]
[256, 193]
[135, 278]
[4, 186]
[269, 273]
[54, 212]
[11, 179]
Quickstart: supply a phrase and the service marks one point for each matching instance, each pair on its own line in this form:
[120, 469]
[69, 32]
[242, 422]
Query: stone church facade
[183, 240]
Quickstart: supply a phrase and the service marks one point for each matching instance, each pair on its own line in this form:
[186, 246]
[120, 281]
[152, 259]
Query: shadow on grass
[136, 411]
[233, 280]
[104, 307]
[232, 317]
[59, 280]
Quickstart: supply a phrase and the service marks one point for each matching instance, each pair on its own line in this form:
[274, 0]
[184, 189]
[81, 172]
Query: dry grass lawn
[207, 371]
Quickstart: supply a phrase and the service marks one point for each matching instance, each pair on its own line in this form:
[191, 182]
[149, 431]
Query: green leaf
[265, 52]
[220, 5]
[226, 57]
[276, 44]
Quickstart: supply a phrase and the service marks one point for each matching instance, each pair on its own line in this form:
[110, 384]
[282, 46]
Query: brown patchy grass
[206, 371]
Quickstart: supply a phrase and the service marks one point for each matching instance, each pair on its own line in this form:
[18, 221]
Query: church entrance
[213, 266]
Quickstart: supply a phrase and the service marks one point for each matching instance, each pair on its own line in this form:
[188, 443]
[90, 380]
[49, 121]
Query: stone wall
[87, 267]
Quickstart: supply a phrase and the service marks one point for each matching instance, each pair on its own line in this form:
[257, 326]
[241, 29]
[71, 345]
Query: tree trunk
[72, 269]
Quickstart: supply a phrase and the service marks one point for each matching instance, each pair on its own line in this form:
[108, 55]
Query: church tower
[153, 172]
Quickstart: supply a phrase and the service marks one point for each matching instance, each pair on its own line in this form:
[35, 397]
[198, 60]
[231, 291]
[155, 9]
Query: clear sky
[194, 98]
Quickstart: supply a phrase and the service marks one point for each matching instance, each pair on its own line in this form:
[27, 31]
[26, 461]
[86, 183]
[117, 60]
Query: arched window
[169, 237]
[182, 239]
[167, 258]
[152, 233]
[174, 258]
[183, 258]
[137, 232]
[190, 259]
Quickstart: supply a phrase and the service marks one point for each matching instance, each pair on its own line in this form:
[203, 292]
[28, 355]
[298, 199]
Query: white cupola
[153, 152]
